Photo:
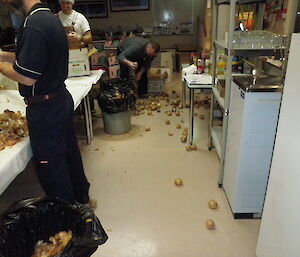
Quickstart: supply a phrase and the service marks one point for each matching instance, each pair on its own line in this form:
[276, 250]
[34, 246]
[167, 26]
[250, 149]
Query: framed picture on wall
[92, 9]
[129, 5]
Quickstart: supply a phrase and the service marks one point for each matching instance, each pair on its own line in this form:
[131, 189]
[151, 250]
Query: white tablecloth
[198, 80]
[79, 87]
[13, 160]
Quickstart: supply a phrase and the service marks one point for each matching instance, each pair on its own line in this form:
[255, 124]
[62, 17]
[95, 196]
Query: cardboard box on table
[79, 64]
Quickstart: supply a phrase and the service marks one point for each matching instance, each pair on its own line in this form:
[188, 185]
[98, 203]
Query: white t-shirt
[75, 19]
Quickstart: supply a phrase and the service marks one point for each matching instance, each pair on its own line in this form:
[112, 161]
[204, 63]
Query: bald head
[152, 48]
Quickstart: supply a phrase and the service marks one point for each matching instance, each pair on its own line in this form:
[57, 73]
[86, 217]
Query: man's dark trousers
[55, 150]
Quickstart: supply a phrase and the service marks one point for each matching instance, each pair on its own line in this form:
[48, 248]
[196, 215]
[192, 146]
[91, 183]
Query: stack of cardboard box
[113, 63]
[161, 71]
[156, 80]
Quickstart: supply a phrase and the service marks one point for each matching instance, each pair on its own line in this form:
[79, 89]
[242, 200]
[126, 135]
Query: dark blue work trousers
[55, 150]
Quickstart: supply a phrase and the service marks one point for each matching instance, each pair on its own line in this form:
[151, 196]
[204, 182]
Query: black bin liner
[31, 220]
[116, 95]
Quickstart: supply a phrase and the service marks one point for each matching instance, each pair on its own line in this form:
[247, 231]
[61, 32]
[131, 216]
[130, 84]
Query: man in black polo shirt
[137, 53]
[40, 65]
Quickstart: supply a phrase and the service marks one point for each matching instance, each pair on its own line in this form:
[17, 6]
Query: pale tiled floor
[145, 214]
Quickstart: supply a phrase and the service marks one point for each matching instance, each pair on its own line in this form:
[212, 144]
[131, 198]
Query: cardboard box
[98, 60]
[114, 71]
[166, 60]
[166, 72]
[113, 60]
[79, 64]
[155, 86]
[156, 80]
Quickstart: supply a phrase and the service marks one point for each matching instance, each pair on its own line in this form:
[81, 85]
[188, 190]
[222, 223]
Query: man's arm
[87, 38]
[7, 70]
[86, 31]
[7, 56]
[145, 66]
[130, 64]
[32, 59]
[124, 55]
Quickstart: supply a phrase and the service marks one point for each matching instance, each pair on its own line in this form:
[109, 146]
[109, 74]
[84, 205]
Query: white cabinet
[251, 133]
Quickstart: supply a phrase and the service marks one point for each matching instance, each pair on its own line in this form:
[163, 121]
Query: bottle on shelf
[193, 58]
[235, 64]
[207, 66]
[241, 66]
[221, 64]
[200, 66]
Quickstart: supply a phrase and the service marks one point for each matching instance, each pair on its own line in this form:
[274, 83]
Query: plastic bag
[116, 95]
[31, 220]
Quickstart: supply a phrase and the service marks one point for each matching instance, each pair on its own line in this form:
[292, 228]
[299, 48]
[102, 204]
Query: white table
[187, 69]
[195, 81]
[79, 89]
[13, 160]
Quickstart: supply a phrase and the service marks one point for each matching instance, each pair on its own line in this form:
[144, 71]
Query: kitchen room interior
[205, 163]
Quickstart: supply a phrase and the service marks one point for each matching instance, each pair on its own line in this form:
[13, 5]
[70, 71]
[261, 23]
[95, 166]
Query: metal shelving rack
[218, 134]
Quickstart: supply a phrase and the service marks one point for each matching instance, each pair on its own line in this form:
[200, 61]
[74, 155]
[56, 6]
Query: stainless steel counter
[261, 84]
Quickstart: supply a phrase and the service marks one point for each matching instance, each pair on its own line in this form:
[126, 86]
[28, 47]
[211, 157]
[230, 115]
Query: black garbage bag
[116, 95]
[28, 221]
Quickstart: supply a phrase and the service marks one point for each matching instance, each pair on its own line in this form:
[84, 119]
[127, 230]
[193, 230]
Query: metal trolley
[218, 134]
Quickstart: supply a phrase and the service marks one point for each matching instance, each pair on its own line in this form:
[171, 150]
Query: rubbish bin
[117, 123]
[32, 220]
[116, 99]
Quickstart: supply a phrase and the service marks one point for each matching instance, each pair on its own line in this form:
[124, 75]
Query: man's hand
[132, 65]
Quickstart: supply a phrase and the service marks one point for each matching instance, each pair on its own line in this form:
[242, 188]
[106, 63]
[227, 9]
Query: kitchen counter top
[262, 84]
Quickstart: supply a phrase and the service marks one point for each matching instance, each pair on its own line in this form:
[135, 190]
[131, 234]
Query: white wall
[145, 19]
[223, 21]
[280, 225]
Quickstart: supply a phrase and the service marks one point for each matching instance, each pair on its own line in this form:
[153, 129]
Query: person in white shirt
[76, 25]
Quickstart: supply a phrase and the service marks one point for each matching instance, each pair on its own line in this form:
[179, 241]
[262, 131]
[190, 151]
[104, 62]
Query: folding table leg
[90, 117]
[191, 117]
[86, 118]
[183, 93]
